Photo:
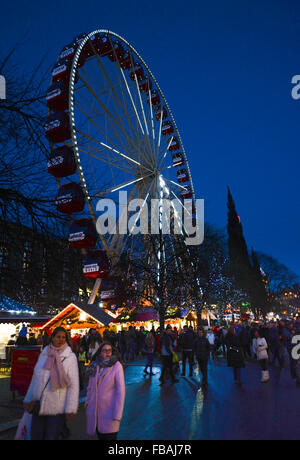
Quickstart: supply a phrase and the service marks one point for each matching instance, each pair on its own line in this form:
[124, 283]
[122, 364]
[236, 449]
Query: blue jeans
[47, 427]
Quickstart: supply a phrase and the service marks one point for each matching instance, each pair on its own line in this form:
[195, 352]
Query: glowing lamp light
[82, 316]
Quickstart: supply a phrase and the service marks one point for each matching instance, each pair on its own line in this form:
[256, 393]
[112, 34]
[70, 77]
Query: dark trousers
[107, 436]
[81, 368]
[263, 364]
[47, 427]
[167, 363]
[203, 369]
[150, 358]
[122, 351]
[187, 355]
[275, 353]
[237, 374]
[246, 350]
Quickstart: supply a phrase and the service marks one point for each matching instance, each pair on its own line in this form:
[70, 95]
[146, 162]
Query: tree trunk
[162, 319]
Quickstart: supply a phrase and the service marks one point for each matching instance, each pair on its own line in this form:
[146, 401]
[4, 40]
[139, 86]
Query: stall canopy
[80, 316]
[12, 306]
[14, 312]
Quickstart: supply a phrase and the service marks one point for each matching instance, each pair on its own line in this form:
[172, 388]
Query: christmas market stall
[78, 318]
[148, 318]
[14, 317]
[190, 317]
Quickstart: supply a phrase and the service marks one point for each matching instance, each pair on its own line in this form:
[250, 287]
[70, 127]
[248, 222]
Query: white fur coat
[62, 401]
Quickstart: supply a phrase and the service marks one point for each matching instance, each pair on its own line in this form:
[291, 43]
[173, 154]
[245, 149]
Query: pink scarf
[58, 377]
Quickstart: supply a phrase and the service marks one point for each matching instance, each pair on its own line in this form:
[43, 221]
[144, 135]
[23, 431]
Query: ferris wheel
[111, 130]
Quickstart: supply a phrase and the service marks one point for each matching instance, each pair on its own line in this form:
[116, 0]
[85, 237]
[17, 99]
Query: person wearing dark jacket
[202, 351]
[167, 355]
[186, 343]
[235, 356]
[245, 340]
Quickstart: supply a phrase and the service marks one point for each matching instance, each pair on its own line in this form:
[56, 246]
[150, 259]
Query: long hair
[61, 329]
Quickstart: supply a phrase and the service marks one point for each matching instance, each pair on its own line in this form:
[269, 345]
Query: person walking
[122, 344]
[202, 351]
[149, 347]
[235, 356]
[186, 343]
[105, 394]
[82, 360]
[245, 340]
[211, 338]
[274, 341]
[93, 344]
[260, 347]
[53, 394]
[167, 355]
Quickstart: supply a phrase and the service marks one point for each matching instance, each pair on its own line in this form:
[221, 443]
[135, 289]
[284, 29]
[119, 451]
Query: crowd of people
[94, 362]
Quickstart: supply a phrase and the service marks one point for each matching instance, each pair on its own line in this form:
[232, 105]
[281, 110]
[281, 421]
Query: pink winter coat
[105, 400]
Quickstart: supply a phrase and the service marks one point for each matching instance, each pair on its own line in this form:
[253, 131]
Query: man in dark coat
[202, 351]
[235, 356]
[245, 340]
[167, 355]
[186, 343]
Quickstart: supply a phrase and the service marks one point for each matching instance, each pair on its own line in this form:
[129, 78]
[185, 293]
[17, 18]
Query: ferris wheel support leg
[95, 291]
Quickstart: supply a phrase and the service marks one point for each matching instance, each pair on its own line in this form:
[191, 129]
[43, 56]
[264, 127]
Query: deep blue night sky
[225, 68]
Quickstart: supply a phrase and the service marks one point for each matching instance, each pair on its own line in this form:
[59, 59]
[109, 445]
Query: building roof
[92, 310]
[12, 306]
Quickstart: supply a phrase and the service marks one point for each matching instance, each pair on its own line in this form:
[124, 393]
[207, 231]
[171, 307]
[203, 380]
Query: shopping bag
[24, 428]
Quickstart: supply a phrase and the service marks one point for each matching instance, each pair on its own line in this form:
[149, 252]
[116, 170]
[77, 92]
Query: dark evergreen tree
[240, 264]
[258, 288]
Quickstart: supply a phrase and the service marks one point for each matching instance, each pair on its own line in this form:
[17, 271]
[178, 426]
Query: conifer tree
[238, 254]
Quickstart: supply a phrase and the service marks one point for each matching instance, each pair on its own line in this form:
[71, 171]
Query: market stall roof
[93, 313]
[14, 312]
[13, 306]
[144, 314]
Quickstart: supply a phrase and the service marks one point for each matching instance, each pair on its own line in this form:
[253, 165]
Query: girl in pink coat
[105, 394]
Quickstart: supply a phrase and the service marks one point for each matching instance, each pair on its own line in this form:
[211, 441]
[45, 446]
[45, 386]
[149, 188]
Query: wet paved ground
[183, 412]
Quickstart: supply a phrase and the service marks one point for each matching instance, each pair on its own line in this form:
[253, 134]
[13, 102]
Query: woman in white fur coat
[260, 347]
[55, 385]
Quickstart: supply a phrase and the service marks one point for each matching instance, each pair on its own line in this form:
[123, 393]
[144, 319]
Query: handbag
[235, 349]
[24, 428]
[37, 406]
[175, 358]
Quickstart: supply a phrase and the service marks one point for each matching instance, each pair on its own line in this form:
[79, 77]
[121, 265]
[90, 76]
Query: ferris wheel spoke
[147, 137]
[145, 150]
[119, 74]
[103, 160]
[114, 123]
[116, 164]
[119, 187]
[175, 183]
[110, 85]
[112, 149]
[117, 240]
[92, 122]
